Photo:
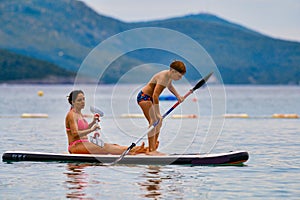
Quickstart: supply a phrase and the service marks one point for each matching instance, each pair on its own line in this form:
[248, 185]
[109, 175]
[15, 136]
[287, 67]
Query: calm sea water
[272, 171]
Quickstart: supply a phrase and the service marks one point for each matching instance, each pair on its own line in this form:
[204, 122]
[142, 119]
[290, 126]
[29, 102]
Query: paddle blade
[95, 110]
[202, 81]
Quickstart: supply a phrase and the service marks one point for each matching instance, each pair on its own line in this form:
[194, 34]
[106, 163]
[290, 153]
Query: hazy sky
[276, 18]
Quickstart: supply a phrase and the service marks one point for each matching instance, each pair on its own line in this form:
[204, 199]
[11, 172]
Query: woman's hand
[95, 127]
[96, 118]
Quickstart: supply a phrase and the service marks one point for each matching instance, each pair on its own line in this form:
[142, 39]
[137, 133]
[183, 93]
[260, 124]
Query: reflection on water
[77, 180]
[152, 183]
[161, 183]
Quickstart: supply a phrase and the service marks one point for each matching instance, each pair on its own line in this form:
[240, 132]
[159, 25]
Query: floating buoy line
[174, 116]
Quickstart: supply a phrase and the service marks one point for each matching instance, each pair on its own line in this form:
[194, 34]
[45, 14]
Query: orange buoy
[40, 93]
[243, 115]
[287, 116]
[34, 115]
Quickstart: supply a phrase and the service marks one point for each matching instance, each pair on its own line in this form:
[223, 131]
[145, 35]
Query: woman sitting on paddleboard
[78, 128]
[148, 99]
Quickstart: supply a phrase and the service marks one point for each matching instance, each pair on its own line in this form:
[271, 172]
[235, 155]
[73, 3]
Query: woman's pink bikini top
[82, 124]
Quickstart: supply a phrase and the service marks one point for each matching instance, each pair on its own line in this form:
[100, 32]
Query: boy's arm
[174, 91]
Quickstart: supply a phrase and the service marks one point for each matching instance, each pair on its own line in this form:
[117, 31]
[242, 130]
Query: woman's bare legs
[115, 149]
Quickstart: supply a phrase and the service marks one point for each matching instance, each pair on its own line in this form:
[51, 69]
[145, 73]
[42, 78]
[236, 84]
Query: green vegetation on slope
[17, 67]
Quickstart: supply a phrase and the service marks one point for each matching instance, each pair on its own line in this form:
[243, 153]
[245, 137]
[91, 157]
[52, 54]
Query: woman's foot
[138, 149]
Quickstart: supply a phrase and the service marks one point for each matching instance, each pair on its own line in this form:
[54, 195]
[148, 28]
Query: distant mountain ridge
[16, 68]
[64, 32]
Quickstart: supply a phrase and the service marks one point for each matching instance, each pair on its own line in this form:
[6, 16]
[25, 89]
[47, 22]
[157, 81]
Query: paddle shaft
[198, 85]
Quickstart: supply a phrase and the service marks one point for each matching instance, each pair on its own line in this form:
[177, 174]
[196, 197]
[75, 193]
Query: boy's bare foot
[155, 153]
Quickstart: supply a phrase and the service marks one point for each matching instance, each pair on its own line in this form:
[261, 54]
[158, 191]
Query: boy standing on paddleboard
[148, 99]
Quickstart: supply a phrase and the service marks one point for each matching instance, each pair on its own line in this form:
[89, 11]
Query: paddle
[96, 110]
[198, 85]
[96, 137]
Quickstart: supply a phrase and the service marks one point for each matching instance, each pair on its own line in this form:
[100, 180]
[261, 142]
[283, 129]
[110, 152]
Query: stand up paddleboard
[230, 158]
